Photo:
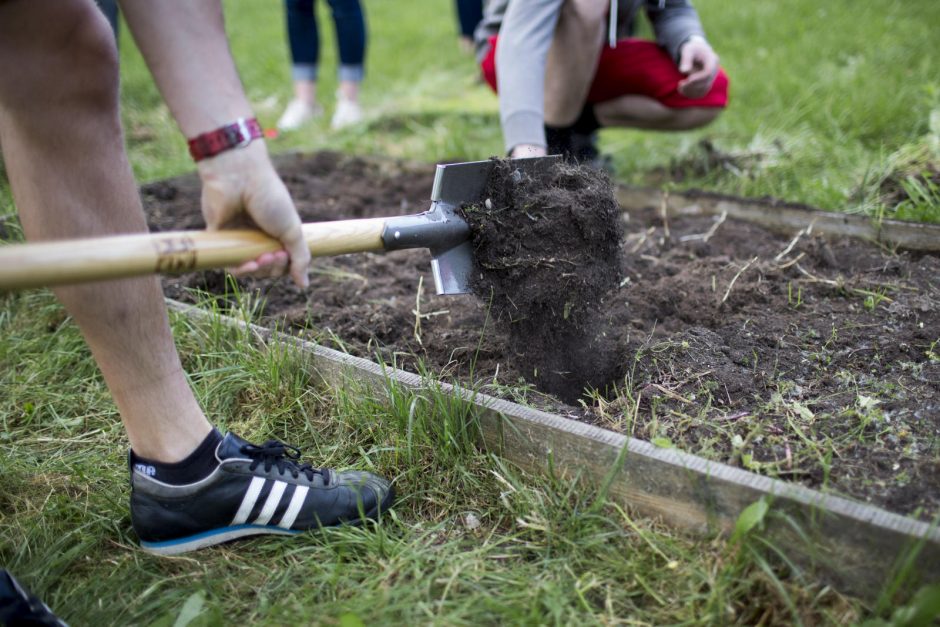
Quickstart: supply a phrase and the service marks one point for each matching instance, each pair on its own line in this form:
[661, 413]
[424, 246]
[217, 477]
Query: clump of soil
[808, 359]
[546, 252]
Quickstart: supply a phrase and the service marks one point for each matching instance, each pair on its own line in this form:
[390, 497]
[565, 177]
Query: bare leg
[306, 92]
[647, 113]
[572, 59]
[349, 90]
[63, 144]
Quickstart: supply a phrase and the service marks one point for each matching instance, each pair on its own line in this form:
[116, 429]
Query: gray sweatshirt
[526, 28]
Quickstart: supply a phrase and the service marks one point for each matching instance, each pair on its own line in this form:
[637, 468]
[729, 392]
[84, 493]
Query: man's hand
[699, 63]
[240, 189]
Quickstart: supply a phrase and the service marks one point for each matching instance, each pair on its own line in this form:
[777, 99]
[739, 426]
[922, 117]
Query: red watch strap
[235, 135]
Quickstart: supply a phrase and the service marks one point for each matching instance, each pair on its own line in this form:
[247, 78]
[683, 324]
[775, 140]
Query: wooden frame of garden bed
[777, 215]
[857, 547]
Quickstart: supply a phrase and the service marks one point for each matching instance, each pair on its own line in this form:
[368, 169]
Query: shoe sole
[212, 537]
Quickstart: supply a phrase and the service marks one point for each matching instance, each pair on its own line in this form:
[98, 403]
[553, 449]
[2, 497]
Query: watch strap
[239, 133]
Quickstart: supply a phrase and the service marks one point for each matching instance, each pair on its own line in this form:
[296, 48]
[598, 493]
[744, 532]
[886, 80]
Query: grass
[472, 540]
[835, 105]
[832, 105]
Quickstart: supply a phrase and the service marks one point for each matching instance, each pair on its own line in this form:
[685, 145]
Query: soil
[802, 358]
[546, 250]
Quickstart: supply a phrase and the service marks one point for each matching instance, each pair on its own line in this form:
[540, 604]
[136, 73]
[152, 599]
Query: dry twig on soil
[796, 238]
[664, 214]
[709, 233]
[731, 285]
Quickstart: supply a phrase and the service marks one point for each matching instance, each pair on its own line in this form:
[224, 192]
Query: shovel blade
[459, 183]
[456, 184]
[441, 228]
[452, 269]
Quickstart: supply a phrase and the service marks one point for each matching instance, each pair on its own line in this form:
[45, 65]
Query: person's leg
[63, 146]
[351, 37]
[191, 486]
[572, 60]
[636, 85]
[648, 113]
[469, 14]
[570, 66]
[304, 39]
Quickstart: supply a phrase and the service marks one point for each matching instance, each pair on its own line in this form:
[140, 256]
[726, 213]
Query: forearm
[184, 44]
[524, 39]
[186, 49]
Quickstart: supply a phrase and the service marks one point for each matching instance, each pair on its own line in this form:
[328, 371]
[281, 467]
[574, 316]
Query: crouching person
[565, 68]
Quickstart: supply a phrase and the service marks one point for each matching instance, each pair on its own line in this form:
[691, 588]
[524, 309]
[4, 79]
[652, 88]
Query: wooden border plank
[787, 217]
[849, 544]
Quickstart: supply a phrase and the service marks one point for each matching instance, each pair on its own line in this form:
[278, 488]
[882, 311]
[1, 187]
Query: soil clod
[547, 256]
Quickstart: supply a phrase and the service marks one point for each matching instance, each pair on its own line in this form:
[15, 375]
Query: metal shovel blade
[442, 230]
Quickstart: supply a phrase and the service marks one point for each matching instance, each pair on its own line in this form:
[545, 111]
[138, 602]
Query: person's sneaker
[20, 607]
[348, 113]
[254, 490]
[297, 114]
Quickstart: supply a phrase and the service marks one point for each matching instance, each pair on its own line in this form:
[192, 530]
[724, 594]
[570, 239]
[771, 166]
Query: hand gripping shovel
[439, 229]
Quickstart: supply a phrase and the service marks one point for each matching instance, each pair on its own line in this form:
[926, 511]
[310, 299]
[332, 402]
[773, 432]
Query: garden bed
[801, 358]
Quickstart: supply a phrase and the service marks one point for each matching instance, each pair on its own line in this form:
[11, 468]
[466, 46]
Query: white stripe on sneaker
[271, 504]
[248, 501]
[296, 502]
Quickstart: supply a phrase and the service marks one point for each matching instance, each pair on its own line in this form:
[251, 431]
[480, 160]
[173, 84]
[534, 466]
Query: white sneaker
[348, 112]
[297, 114]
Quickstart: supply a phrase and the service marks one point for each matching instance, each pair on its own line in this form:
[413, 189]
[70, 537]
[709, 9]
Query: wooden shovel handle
[65, 262]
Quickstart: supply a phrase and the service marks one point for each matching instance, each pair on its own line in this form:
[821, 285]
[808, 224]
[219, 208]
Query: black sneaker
[255, 490]
[19, 607]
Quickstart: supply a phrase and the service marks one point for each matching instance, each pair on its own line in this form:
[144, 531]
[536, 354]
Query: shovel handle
[65, 262]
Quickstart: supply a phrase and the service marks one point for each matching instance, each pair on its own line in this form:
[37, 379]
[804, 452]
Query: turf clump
[547, 255]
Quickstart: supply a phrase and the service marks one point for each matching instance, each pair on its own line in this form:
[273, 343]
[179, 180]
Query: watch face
[232, 135]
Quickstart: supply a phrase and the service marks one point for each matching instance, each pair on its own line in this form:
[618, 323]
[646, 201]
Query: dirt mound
[547, 255]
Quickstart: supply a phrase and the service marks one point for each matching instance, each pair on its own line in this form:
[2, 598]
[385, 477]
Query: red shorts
[635, 67]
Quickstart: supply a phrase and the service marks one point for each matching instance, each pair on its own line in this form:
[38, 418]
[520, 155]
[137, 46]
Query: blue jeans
[304, 39]
[469, 14]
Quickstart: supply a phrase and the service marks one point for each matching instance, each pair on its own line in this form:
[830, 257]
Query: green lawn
[829, 99]
[471, 540]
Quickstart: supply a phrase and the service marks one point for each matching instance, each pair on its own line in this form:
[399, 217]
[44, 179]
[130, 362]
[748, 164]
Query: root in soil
[547, 255]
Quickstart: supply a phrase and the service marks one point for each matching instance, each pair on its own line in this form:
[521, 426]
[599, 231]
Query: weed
[873, 298]
[932, 353]
[795, 300]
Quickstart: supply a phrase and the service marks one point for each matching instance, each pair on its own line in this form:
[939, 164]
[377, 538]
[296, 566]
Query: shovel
[439, 229]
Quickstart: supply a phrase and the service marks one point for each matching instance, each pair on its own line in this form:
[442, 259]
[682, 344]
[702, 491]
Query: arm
[186, 49]
[524, 39]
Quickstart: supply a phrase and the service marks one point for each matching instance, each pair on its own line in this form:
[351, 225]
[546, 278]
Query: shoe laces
[284, 457]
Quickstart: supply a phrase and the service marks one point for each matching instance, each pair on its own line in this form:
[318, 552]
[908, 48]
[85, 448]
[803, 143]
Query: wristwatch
[238, 134]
